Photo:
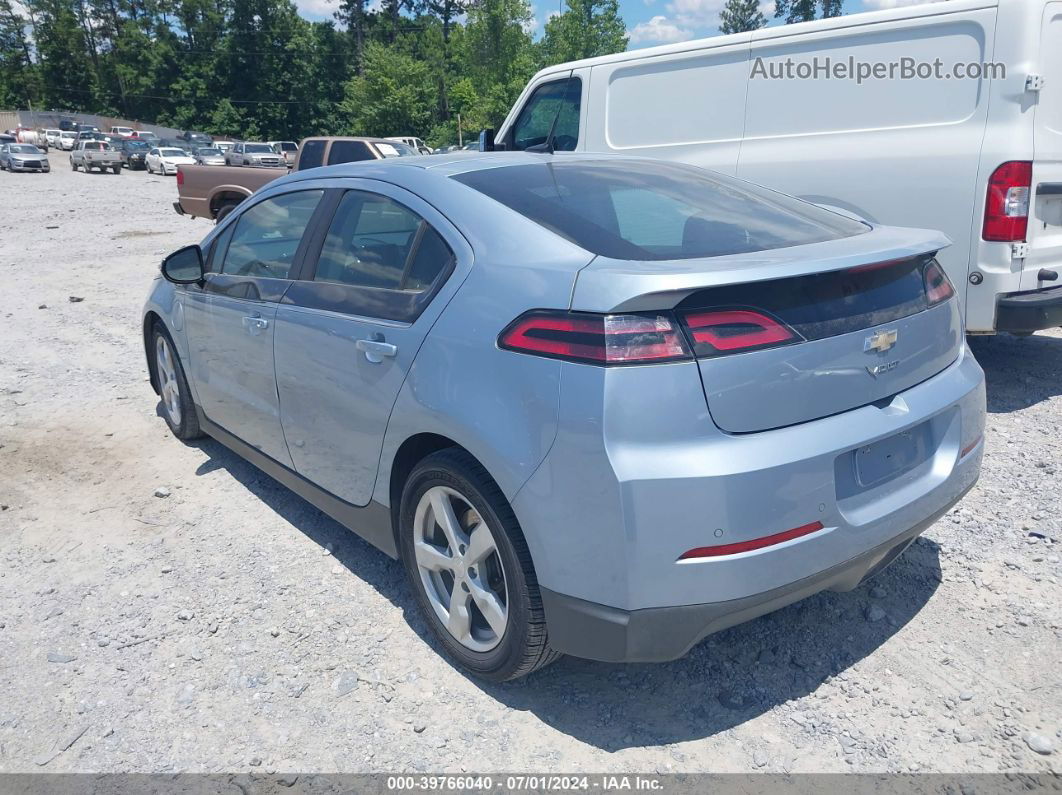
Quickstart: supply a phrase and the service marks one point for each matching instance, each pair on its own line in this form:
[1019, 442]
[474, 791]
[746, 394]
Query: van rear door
[1045, 211]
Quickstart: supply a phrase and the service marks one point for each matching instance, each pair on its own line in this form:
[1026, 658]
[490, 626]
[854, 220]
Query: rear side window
[312, 154]
[348, 152]
[641, 210]
[552, 106]
[376, 242]
[267, 236]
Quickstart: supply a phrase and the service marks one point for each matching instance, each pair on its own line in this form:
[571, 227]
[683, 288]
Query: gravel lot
[168, 608]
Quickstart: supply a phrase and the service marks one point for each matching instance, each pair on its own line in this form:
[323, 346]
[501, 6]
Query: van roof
[777, 31]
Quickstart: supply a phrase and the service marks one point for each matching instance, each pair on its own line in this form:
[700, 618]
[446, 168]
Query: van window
[645, 210]
[560, 100]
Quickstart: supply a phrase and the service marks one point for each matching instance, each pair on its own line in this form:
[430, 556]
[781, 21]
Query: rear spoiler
[610, 285]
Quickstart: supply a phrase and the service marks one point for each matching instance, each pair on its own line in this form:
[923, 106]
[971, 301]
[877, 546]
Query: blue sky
[649, 22]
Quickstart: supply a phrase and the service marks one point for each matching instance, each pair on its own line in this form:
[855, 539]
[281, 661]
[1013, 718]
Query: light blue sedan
[23, 157]
[597, 405]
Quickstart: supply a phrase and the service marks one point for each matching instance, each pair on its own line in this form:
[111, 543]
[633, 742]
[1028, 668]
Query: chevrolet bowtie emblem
[880, 341]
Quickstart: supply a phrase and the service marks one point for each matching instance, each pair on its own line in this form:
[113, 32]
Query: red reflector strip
[756, 543]
[969, 448]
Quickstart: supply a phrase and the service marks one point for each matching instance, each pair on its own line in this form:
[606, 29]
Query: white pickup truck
[90, 154]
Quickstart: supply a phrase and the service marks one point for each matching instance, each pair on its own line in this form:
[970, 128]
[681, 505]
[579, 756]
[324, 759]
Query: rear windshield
[638, 210]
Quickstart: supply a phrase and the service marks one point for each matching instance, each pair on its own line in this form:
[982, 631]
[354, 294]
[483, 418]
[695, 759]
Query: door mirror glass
[184, 266]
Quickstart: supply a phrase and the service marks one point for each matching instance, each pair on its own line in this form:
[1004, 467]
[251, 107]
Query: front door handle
[376, 350]
[255, 324]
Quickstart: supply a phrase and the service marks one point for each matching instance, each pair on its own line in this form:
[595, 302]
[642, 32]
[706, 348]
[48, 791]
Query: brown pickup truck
[213, 191]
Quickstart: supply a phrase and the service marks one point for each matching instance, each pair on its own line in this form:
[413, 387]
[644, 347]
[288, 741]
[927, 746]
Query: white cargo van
[979, 158]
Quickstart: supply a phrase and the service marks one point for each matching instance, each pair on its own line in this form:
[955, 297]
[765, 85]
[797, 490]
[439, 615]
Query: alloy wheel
[168, 386]
[460, 568]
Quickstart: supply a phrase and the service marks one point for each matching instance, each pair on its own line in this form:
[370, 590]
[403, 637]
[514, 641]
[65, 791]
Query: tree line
[256, 69]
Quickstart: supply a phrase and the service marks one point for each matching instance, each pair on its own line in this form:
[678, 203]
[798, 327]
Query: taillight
[717, 332]
[938, 285]
[1007, 203]
[596, 339]
[180, 176]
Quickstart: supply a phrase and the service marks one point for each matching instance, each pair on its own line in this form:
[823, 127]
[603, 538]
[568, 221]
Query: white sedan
[165, 160]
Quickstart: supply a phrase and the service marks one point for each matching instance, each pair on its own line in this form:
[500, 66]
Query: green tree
[586, 29]
[394, 95]
[67, 74]
[739, 16]
[18, 77]
[807, 10]
[497, 54]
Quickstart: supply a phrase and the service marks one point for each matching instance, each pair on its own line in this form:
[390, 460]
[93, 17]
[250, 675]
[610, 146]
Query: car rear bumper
[636, 479]
[177, 208]
[598, 632]
[1029, 311]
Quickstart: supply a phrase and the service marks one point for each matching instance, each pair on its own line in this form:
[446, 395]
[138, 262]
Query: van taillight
[1007, 203]
[595, 338]
[938, 285]
[717, 332]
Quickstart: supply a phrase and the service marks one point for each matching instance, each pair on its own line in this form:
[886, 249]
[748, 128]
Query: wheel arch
[411, 452]
[151, 319]
[226, 195]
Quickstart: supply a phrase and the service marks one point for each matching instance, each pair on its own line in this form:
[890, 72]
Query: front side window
[267, 236]
[376, 242]
[552, 106]
[641, 210]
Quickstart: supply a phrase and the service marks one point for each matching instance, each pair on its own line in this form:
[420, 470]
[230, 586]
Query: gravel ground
[169, 608]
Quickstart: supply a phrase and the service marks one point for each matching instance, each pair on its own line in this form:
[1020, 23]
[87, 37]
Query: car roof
[461, 162]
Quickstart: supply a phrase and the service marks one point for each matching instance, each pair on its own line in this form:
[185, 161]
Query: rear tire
[491, 566]
[178, 409]
[223, 211]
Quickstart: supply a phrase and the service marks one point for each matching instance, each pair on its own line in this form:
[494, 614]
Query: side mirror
[486, 140]
[184, 266]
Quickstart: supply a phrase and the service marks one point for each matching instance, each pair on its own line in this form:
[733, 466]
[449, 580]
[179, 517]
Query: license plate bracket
[892, 456]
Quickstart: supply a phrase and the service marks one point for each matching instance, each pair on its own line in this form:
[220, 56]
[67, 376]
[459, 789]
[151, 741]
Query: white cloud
[317, 8]
[658, 30]
[875, 5]
[700, 14]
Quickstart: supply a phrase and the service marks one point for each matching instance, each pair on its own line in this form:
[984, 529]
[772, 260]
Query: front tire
[470, 568]
[177, 407]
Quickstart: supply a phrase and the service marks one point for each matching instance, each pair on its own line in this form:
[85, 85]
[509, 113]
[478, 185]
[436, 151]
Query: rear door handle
[255, 324]
[376, 350]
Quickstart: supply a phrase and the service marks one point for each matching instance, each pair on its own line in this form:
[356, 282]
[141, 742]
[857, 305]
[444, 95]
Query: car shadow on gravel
[735, 675]
[1019, 371]
[729, 678]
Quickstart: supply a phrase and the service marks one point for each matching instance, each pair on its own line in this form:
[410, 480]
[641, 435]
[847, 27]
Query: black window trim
[371, 303]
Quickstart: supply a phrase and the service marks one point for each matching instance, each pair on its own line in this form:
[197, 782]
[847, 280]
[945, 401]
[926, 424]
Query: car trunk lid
[792, 335]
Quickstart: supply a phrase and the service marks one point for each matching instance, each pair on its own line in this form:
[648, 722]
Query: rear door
[230, 320]
[378, 274]
[1045, 217]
